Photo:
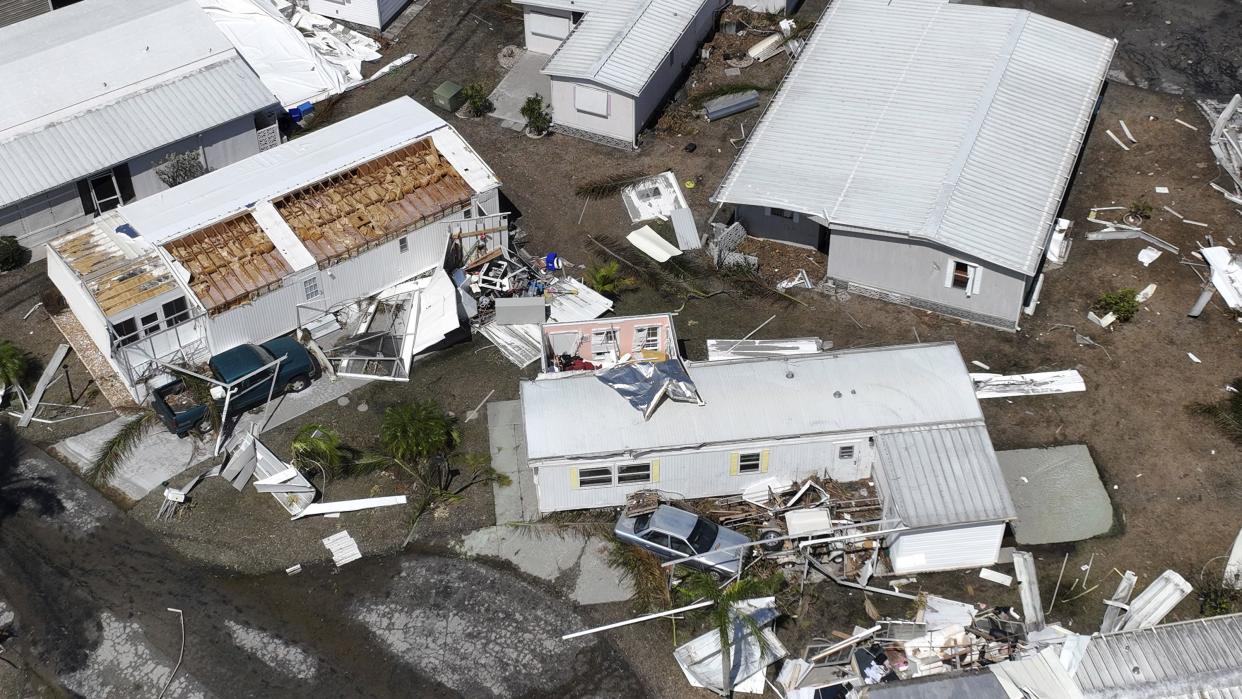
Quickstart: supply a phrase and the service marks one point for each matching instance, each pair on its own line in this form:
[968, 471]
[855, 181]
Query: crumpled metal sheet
[645, 384]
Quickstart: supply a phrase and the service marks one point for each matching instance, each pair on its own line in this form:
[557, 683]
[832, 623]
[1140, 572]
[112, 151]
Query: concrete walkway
[518, 501]
[577, 563]
[162, 455]
[522, 81]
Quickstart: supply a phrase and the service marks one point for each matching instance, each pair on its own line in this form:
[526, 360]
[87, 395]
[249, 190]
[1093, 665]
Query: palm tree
[321, 447]
[699, 586]
[14, 363]
[607, 279]
[418, 432]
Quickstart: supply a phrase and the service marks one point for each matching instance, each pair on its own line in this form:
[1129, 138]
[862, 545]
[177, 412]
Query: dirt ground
[1172, 477]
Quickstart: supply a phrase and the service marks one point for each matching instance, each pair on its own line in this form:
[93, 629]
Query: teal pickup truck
[181, 414]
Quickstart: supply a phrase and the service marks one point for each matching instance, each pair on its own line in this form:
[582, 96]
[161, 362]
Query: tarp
[645, 384]
[297, 68]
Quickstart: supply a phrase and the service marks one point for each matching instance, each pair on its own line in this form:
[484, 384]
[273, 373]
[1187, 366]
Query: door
[847, 456]
[105, 193]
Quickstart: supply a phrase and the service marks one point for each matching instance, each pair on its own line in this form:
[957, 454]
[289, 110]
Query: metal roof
[103, 81]
[1200, 658]
[577, 416]
[85, 143]
[621, 44]
[292, 166]
[969, 684]
[941, 474]
[951, 123]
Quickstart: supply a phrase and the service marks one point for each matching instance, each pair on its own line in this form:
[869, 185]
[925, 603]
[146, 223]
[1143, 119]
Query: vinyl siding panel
[14, 11]
[620, 122]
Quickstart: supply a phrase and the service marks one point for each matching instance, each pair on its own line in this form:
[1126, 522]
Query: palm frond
[14, 363]
[610, 185]
[643, 570]
[113, 453]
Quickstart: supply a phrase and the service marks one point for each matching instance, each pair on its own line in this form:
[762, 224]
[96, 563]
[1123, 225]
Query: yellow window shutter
[763, 461]
[734, 458]
[573, 478]
[655, 470]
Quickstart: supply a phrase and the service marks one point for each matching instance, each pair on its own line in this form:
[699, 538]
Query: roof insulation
[119, 278]
[955, 124]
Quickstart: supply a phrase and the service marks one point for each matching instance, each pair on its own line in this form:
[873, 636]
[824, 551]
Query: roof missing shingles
[374, 202]
[230, 262]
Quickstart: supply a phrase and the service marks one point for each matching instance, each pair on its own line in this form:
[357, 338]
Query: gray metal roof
[620, 44]
[972, 684]
[942, 474]
[102, 81]
[1200, 658]
[951, 123]
[577, 416]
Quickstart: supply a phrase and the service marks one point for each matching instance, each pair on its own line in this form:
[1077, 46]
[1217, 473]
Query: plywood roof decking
[116, 280]
[229, 262]
[375, 201]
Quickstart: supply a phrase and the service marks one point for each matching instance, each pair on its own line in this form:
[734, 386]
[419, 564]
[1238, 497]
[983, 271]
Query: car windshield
[703, 536]
[641, 523]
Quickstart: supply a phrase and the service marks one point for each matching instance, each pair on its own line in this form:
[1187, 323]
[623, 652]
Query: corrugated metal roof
[1200, 659]
[291, 166]
[621, 44]
[969, 684]
[952, 123]
[574, 416]
[90, 141]
[942, 474]
[1039, 675]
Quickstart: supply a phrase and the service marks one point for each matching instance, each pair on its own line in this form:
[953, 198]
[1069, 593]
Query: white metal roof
[941, 474]
[620, 44]
[102, 81]
[578, 416]
[226, 192]
[1200, 658]
[953, 123]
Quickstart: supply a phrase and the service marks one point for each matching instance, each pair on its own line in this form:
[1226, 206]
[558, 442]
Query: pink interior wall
[625, 332]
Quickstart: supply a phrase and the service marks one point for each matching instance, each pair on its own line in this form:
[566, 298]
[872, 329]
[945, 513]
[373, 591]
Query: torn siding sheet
[645, 384]
[1152, 604]
[570, 300]
[654, 198]
[1226, 140]
[343, 547]
[323, 508]
[700, 659]
[652, 244]
[252, 457]
[721, 350]
[1042, 383]
[1226, 275]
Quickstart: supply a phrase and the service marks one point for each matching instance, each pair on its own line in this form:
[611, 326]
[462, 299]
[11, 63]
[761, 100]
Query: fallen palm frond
[116, 450]
[750, 283]
[699, 98]
[643, 570]
[1227, 413]
[673, 277]
[610, 185]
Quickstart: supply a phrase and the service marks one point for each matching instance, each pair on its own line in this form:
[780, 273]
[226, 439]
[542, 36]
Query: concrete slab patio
[578, 562]
[1058, 494]
[522, 81]
[161, 455]
[516, 502]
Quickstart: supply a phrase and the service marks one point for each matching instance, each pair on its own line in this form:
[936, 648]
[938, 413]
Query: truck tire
[298, 384]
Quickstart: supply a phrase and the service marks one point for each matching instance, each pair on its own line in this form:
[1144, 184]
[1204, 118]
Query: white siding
[364, 12]
[388, 9]
[665, 79]
[545, 29]
[269, 316]
[703, 474]
[618, 124]
[946, 548]
[79, 301]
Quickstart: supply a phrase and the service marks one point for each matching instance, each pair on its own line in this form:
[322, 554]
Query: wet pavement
[89, 588]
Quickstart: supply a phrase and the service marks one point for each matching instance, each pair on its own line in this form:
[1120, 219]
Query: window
[846, 452]
[589, 100]
[703, 535]
[680, 546]
[749, 463]
[647, 337]
[603, 344]
[125, 332]
[783, 213]
[311, 288]
[657, 538]
[176, 311]
[150, 324]
[403, 244]
[594, 477]
[964, 276]
[634, 473]
[105, 194]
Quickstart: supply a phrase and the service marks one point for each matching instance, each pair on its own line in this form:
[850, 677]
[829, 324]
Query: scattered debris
[1041, 383]
[701, 658]
[1117, 140]
[343, 547]
[1152, 604]
[996, 577]
[1162, 190]
[293, 569]
[1226, 274]
[1192, 128]
[1173, 212]
[46, 379]
[728, 105]
[1102, 321]
[1126, 130]
[1193, 358]
[1117, 605]
[798, 280]
[653, 197]
[1195, 223]
[1146, 294]
[1028, 588]
[685, 229]
[323, 508]
[766, 48]
[721, 350]
[652, 244]
[981, 365]
[1148, 255]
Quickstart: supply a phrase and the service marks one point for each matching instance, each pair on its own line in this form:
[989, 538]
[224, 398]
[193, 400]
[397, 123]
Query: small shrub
[1216, 600]
[477, 101]
[1122, 303]
[12, 254]
[537, 118]
[53, 300]
[607, 279]
[1141, 208]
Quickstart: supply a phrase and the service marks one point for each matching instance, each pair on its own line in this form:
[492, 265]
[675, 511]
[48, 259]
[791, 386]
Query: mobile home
[904, 417]
[288, 239]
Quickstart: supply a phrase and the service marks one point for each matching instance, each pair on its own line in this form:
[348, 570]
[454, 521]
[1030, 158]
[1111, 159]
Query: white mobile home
[375, 14]
[925, 147]
[100, 92]
[283, 240]
[615, 62]
[905, 417]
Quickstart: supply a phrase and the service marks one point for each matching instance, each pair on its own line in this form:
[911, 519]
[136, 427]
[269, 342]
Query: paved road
[89, 588]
